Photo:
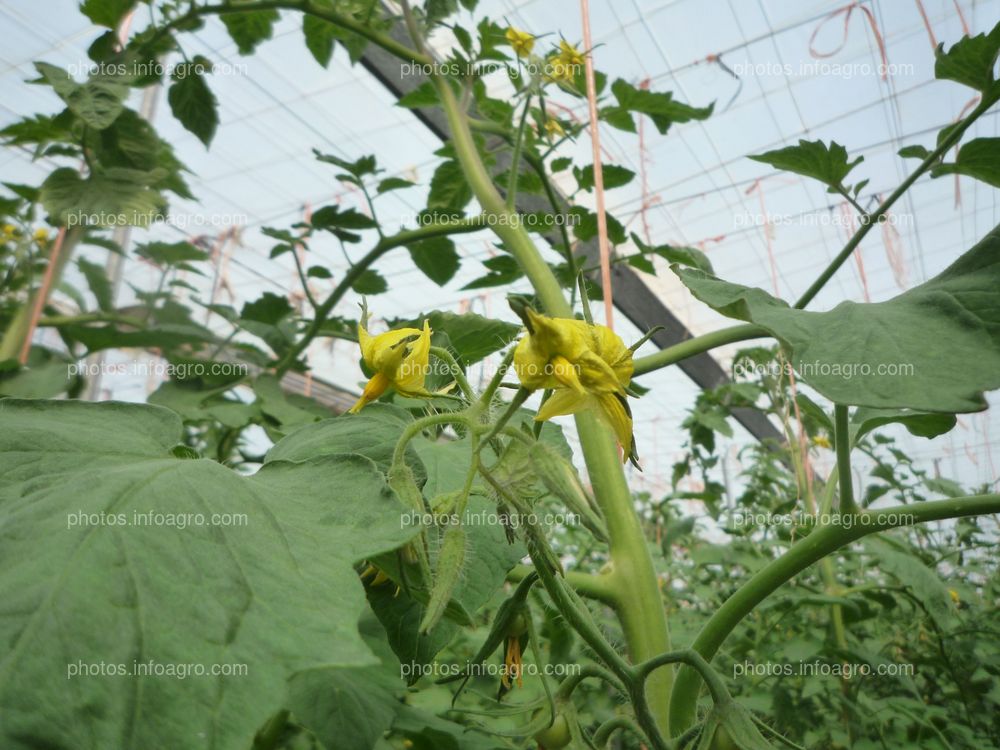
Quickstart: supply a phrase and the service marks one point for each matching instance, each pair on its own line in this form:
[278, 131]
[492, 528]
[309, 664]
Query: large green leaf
[934, 348]
[90, 588]
[436, 257]
[249, 28]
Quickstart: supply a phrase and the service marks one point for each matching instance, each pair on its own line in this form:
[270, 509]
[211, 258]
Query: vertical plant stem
[842, 436]
[640, 609]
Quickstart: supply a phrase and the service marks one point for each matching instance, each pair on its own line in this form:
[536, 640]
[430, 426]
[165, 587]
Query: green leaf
[660, 107]
[171, 254]
[350, 707]
[45, 375]
[815, 159]
[320, 36]
[288, 410]
[364, 165]
[471, 337]
[970, 61]
[424, 95]
[585, 226]
[175, 593]
[941, 339]
[914, 152]
[436, 257]
[910, 570]
[97, 102]
[503, 269]
[614, 176]
[979, 159]
[370, 281]
[115, 197]
[921, 424]
[106, 12]
[450, 190]
[98, 282]
[393, 183]
[684, 256]
[371, 433]
[249, 28]
[194, 105]
[319, 272]
[944, 486]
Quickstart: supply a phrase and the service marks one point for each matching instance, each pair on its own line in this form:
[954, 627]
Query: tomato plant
[384, 578]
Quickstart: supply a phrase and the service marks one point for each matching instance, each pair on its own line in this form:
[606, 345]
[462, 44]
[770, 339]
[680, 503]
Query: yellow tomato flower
[8, 231]
[570, 55]
[399, 358]
[954, 596]
[586, 365]
[41, 235]
[822, 441]
[554, 128]
[521, 41]
[513, 664]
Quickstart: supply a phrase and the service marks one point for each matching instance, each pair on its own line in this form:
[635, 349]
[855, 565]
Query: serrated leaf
[249, 28]
[436, 257]
[660, 107]
[320, 36]
[815, 159]
[614, 176]
[450, 190]
[370, 281]
[877, 354]
[195, 106]
[115, 197]
[971, 61]
[98, 101]
[106, 12]
[471, 337]
[979, 159]
[685, 256]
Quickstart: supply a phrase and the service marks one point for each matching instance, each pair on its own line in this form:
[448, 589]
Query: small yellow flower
[587, 366]
[41, 235]
[399, 358]
[822, 441]
[554, 128]
[954, 596]
[521, 41]
[570, 55]
[8, 231]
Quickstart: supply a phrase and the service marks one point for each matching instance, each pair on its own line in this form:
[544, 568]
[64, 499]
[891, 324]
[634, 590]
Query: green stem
[597, 587]
[697, 345]
[399, 239]
[820, 543]
[419, 425]
[842, 437]
[515, 159]
[872, 219]
[456, 371]
[603, 734]
[641, 610]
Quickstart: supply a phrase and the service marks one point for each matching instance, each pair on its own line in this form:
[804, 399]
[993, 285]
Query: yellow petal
[615, 413]
[374, 388]
[410, 374]
[563, 402]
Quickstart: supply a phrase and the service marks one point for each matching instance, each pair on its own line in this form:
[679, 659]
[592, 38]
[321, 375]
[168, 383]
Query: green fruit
[556, 736]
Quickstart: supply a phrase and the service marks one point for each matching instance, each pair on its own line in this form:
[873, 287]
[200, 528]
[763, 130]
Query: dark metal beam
[631, 295]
